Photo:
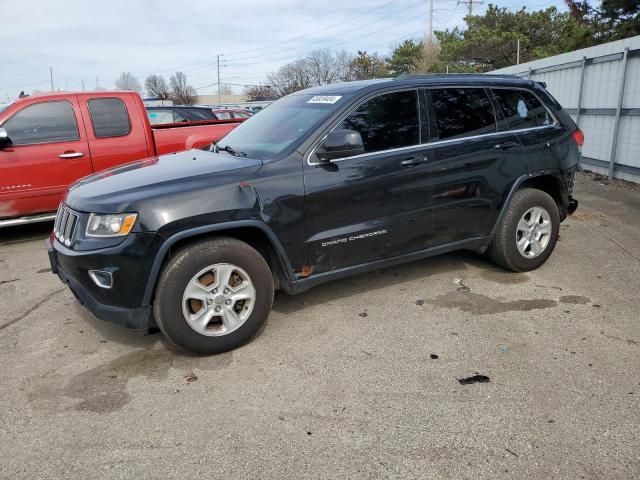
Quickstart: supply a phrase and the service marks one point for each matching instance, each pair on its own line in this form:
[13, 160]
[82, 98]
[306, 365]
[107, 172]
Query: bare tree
[290, 78]
[320, 67]
[429, 55]
[126, 81]
[181, 92]
[257, 92]
[157, 87]
[225, 89]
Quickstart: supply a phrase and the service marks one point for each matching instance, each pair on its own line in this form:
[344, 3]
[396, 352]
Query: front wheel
[528, 231]
[213, 296]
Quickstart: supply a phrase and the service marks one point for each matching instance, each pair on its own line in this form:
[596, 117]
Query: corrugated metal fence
[600, 88]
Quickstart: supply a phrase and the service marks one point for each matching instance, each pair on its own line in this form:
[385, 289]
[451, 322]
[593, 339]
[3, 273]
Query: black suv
[325, 183]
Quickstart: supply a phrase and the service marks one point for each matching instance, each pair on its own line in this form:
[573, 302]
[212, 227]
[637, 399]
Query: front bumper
[129, 262]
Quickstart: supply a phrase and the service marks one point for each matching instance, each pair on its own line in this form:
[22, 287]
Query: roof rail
[432, 75]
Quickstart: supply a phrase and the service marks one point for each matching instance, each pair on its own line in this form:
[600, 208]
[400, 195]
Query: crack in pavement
[2, 282]
[35, 307]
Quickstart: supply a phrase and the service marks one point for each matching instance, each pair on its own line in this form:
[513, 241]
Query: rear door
[116, 130]
[49, 150]
[536, 127]
[374, 205]
[472, 163]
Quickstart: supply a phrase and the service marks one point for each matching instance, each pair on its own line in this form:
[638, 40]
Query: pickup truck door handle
[71, 155]
[506, 145]
[411, 161]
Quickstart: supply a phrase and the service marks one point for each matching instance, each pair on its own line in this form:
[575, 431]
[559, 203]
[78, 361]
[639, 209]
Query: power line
[212, 60]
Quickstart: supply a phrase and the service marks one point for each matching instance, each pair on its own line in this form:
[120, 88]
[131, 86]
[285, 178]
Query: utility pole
[470, 4]
[66, 84]
[97, 84]
[51, 77]
[518, 53]
[430, 21]
[218, 79]
[83, 85]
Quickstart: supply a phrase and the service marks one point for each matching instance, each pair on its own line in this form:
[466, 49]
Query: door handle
[71, 155]
[411, 161]
[505, 145]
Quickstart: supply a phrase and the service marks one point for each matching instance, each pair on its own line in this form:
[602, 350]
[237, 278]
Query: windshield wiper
[227, 148]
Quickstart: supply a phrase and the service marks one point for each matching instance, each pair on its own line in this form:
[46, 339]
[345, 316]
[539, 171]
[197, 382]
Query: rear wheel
[213, 296]
[528, 231]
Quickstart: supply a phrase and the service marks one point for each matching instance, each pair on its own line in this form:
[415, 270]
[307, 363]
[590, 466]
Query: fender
[220, 227]
[519, 181]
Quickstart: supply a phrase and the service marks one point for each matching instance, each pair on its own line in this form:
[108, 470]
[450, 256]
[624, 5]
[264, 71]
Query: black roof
[461, 79]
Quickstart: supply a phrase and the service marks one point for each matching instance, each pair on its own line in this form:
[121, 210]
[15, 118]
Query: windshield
[269, 133]
[4, 106]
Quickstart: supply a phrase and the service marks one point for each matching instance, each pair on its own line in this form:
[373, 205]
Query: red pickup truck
[47, 141]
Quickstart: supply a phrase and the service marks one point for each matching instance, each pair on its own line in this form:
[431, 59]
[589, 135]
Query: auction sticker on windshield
[325, 99]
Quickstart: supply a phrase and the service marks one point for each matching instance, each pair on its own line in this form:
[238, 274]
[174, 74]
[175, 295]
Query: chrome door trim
[410, 148]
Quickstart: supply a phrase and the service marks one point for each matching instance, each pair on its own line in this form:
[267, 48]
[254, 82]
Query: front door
[48, 151]
[372, 205]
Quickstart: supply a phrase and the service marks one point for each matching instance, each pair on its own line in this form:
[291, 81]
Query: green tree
[405, 58]
[490, 41]
[366, 66]
[612, 20]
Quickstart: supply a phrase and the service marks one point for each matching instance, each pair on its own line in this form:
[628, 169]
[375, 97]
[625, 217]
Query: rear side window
[386, 121]
[161, 117]
[461, 112]
[109, 117]
[521, 109]
[46, 122]
[202, 114]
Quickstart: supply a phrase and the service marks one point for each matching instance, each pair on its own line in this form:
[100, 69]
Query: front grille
[65, 226]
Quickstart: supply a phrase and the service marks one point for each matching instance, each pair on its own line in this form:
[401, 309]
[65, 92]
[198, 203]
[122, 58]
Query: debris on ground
[473, 379]
[462, 288]
[363, 314]
[420, 302]
[433, 356]
[190, 377]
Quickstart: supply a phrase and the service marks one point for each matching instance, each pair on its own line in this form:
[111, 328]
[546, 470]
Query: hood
[121, 188]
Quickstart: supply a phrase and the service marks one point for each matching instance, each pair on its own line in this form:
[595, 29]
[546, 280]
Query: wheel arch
[548, 182]
[252, 232]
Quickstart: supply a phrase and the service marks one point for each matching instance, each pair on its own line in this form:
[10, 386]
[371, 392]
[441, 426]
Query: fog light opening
[101, 278]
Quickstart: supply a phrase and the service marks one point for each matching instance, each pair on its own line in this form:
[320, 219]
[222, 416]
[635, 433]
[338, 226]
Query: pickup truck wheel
[528, 231]
[213, 296]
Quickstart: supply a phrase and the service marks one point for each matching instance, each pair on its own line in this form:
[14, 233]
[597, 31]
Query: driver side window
[386, 121]
[46, 122]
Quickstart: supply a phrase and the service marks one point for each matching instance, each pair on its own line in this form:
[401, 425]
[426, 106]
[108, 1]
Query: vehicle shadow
[377, 279]
[25, 233]
[458, 262]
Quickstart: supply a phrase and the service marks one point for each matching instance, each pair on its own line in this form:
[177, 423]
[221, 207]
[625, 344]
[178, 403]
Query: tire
[505, 250]
[185, 315]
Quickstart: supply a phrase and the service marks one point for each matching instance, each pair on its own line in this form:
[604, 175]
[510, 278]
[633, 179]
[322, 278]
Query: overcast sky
[83, 40]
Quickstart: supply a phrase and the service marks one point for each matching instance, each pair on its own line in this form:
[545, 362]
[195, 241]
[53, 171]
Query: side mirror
[339, 144]
[4, 138]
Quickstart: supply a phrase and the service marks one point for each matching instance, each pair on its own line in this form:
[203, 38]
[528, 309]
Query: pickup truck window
[2, 107]
[386, 121]
[521, 109]
[462, 112]
[109, 117]
[279, 127]
[160, 117]
[45, 122]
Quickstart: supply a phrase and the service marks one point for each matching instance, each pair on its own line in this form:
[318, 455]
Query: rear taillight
[578, 136]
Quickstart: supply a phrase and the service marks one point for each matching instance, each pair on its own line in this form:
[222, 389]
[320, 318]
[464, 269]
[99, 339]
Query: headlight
[110, 225]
